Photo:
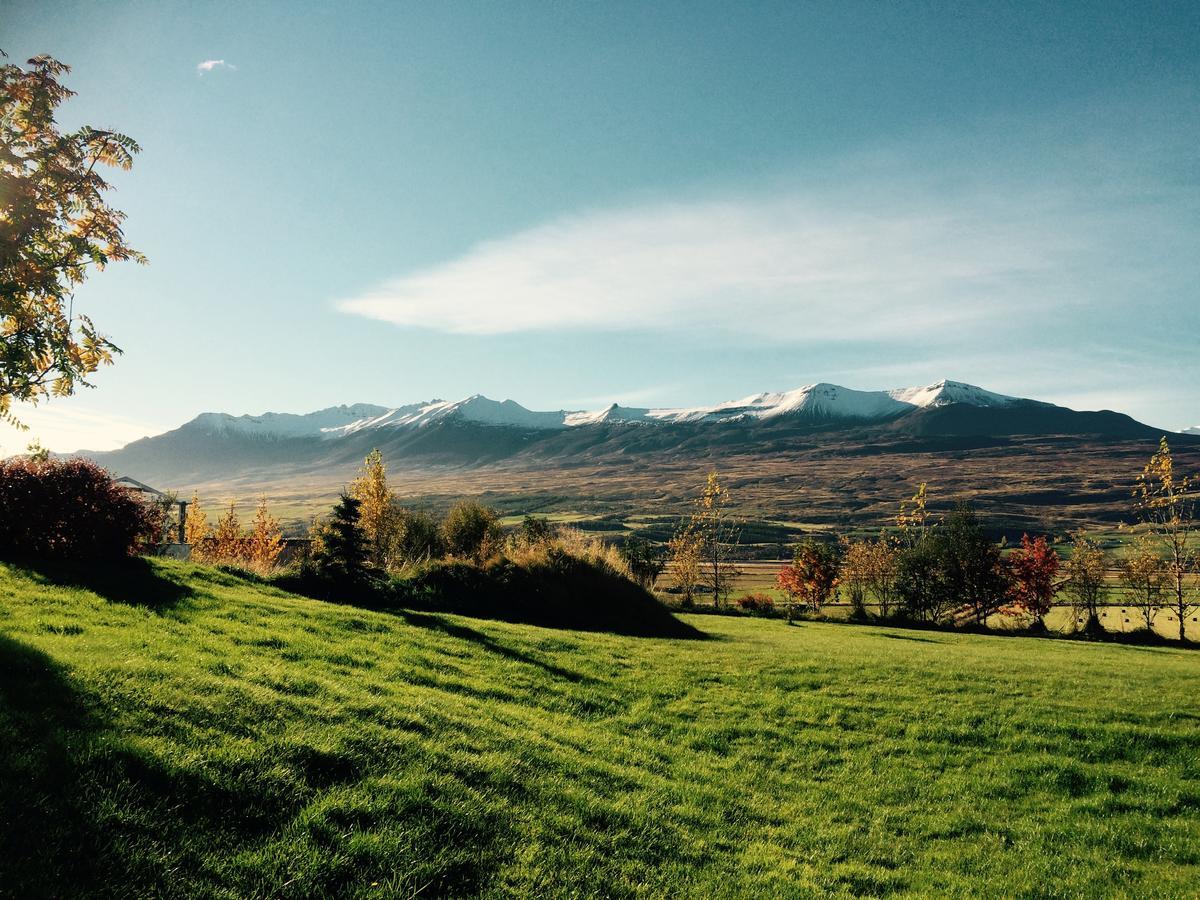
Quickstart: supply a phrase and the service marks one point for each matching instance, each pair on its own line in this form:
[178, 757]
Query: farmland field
[1117, 614]
[172, 729]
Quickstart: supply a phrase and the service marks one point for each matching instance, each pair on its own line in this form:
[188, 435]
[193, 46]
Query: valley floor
[169, 729]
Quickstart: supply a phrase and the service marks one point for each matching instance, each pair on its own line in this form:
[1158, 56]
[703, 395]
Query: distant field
[175, 730]
[823, 484]
[759, 577]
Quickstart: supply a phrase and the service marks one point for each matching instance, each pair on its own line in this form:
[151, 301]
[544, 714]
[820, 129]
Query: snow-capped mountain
[274, 424]
[478, 432]
[815, 401]
[1195, 429]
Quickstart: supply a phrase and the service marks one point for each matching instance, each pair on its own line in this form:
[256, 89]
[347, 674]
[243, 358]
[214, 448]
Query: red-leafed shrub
[68, 509]
[755, 603]
[1034, 566]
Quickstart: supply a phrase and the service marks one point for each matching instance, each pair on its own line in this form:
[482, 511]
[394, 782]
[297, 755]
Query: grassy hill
[173, 730]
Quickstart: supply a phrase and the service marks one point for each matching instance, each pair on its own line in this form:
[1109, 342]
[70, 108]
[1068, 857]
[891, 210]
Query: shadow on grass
[87, 812]
[134, 581]
[569, 594]
[462, 632]
[907, 637]
[49, 846]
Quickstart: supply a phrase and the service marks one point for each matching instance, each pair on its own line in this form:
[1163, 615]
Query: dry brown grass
[1024, 484]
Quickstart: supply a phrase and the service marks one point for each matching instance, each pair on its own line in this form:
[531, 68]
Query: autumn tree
[811, 577]
[1085, 577]
[881, 564]
[686, 549]
[265, 541]
[55, 225]
[717, 532]
[1166, 504]
[868, 573]
[913, 520]
[377, 510]
[228, 543]
[853, 575]
[1034, 567]
[198, 534]
[195, 528]
[1144, 575]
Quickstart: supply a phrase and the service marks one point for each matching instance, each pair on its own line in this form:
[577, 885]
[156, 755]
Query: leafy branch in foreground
[54, 225]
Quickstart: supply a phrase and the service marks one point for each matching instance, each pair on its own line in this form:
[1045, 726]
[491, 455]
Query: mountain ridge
[819, 453]
[818, 401]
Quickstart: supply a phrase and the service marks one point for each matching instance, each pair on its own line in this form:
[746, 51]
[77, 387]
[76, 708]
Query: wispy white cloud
[978, 260]
[834, 264]
[210, 64]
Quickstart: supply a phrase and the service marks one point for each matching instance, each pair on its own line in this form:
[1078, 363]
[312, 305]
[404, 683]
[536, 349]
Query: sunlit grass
[185, 732]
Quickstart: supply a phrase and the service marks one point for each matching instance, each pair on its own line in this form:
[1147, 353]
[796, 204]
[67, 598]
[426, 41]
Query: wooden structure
[134, 485]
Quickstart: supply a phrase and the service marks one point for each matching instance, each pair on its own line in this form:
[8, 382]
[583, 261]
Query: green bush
[471, 531]
[418, 536]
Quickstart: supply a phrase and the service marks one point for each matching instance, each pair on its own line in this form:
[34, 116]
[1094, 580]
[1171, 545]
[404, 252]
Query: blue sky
[669, 204]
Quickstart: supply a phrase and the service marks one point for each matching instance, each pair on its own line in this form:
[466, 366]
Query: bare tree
[1144, 574]
[1084, 586]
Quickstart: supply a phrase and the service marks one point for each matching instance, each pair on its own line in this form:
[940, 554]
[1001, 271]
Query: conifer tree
[342, 557]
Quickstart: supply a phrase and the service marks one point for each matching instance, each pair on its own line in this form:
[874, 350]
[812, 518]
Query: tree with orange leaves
[811, 577]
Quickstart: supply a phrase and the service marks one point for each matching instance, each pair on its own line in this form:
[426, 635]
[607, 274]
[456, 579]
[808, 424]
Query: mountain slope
[820, 453]
[827, 402]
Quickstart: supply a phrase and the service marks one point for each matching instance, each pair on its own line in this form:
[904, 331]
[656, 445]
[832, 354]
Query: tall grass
[571, 542]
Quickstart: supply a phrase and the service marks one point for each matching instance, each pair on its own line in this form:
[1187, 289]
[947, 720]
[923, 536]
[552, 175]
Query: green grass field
[174, 730]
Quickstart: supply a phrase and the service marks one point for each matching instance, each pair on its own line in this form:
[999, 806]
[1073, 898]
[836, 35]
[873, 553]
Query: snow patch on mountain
[946, 392]
[476, 408]
[272, 424]
[817, 401]
[814, 401]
